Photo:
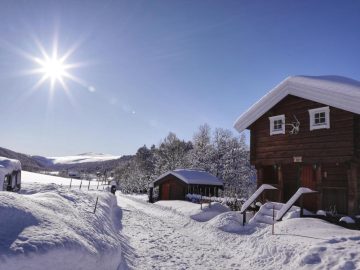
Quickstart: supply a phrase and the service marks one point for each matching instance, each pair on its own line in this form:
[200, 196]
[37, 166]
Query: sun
[53, 68]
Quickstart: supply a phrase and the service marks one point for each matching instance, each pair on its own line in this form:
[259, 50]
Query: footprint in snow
[337, 240]
[349, 265]
[313, 258]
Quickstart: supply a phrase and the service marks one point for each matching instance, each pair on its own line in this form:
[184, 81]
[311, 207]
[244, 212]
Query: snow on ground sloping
[164, 236]
[30, 177]
[194, 210]
[51, 227]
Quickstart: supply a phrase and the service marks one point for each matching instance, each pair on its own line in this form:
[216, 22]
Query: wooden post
[260, 176]
[260, 180]
[89, 185]
[244, 218]
[318, 177]
[97, 198]
[273, 223]
[80, 184]
[151, 196]
[281, 183]
[98, 184]
[70, 182]
[352, 189]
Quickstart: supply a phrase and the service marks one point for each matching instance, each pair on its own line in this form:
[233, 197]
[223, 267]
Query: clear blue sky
[160, 66]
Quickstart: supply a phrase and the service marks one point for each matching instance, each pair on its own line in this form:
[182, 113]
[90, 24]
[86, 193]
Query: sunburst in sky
[55, 68]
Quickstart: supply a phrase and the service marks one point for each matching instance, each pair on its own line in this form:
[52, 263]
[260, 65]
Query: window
[277, 124]
[319, 118]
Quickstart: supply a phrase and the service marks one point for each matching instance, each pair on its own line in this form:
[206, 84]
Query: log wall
[336, 144]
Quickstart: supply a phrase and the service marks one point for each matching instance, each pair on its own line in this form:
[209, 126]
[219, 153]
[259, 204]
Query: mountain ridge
[87, 162]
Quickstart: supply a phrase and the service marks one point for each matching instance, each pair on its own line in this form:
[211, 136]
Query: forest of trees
[218, 152]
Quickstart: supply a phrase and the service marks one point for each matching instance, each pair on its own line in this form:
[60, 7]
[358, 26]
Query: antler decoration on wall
[295, 126]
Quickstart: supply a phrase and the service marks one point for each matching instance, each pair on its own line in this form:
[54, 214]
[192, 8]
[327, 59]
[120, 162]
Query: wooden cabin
[174, 185]
[306, 133]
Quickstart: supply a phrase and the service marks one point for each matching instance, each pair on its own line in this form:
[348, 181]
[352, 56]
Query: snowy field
[50, 226]
[30, 178]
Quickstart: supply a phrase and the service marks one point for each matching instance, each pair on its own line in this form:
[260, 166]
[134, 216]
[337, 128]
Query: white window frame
[312, 113]
[272, 120]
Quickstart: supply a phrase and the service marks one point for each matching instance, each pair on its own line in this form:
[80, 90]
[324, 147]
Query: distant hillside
[88, 167]
[87, 162]
[27, 162]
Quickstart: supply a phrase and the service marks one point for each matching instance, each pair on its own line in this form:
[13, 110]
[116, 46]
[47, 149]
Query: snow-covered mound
[51, 227]
[194, 210]
[232, 222]
[81, 158]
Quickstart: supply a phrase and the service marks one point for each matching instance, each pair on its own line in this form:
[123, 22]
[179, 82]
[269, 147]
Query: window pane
[278, 125]
[319, 118]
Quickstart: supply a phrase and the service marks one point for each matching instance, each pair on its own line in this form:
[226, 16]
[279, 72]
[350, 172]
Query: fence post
[97, 184]
[70, 182]
[89, 185]
[273, 223]
[97, 198]
[80, 184]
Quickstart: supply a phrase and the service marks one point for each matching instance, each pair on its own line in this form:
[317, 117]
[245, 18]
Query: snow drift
[194, 210]
[50, 227]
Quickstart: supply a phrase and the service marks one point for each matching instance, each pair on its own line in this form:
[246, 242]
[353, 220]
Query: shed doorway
[165, 191]
[308, 180]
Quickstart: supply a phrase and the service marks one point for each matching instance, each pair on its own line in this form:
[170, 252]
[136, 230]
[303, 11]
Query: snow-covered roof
[193, 177]
[8, 165]
[336, 91]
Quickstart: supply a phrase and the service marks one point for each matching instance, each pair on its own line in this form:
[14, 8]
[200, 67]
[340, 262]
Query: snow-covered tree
[202, 153]
[220, 153]
[172, 154]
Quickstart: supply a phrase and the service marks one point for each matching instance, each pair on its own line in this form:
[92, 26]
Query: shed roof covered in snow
[336, 91]
[8, 165]
[192, 177]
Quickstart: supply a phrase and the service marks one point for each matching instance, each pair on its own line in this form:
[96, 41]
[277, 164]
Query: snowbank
[194, 210]
[232, 222]
[51, 227]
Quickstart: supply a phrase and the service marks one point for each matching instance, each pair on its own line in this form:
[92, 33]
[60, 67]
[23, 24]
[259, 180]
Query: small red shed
[174, 185]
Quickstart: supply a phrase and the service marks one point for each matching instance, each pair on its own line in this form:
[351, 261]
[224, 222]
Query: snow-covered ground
[166, 236]
[29, 178]
[195, 211]
[47, 226]
[51, 226]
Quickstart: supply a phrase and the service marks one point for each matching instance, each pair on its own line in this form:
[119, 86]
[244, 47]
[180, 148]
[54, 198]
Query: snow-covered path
[160, 238]
[164, 239]
[138, 235]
